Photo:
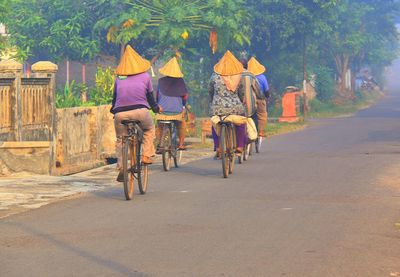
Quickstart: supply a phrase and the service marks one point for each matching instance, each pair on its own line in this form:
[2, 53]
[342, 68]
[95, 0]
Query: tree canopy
[336, 35]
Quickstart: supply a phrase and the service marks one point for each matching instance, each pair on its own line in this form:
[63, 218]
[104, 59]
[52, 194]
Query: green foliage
[54, 30]
[160, 26]
[102, 93]
[324, 83]
[335, 35]
[69, 97]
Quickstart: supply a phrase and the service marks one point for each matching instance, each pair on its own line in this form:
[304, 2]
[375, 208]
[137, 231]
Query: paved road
[320, 202]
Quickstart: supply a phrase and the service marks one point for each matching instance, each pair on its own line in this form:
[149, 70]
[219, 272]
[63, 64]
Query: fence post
[11, 69]
[49, 70]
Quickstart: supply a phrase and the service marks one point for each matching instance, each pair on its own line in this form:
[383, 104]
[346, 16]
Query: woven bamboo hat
[228, 65]
[171, 69]
[255, 67]
[132, 63]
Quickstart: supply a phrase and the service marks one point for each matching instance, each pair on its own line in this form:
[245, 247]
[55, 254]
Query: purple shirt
[132, 91]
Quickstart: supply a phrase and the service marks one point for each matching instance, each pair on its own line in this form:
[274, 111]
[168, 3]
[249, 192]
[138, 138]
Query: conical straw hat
[255, 67]
[228, 65]
[171, 69]
[132, 63]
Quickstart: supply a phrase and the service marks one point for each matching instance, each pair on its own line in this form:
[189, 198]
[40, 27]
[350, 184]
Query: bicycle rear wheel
[128, 163]
[246, 152]
[224, 151]
[142, 171]
[258, 144]
[231, 145]
[166, 154]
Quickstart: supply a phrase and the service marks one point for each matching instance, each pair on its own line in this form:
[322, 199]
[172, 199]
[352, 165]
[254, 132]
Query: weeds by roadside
[328, 109]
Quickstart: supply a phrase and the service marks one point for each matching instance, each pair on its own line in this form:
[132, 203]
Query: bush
[102, 93]
[325, 83]
[69, 97]
[317, 106]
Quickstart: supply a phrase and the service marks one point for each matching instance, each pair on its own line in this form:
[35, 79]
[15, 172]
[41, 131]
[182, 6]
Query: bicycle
[132, 165]
[246, 152]
[227, 147]
[169, 145]
[257, 145]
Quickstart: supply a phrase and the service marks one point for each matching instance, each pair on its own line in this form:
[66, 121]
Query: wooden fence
[27, 117]
[6, 124]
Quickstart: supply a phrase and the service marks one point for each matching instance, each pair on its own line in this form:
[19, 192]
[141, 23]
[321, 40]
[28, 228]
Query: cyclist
[262, 115]
[172, 95]
[133, 96]
[251, 94]
[224, 96]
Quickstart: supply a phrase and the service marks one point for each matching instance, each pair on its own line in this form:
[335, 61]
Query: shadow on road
[118, 268]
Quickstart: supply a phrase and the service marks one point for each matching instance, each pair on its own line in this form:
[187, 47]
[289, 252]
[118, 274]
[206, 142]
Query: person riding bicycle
[251, 93]
[224, 96]
[133, 96]
[262, 115]
[172, 95]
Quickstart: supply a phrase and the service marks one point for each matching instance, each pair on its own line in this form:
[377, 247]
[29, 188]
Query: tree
[55, 30]
[164, 26]
[360, 31]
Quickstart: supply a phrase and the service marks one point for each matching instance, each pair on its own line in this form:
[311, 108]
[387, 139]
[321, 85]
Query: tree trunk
[123, 45]
[83, 73]
[342, 66]
[70, 92]
[305, 99]
[84, 88]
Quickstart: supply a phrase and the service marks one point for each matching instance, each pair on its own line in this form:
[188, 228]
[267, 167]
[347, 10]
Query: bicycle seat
[129, 121]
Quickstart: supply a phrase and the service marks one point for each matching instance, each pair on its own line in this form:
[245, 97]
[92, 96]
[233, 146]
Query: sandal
[239, 150]
[217, 155]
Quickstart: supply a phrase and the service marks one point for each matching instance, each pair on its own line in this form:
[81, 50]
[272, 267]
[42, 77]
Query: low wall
[85, 138]
[24, 156]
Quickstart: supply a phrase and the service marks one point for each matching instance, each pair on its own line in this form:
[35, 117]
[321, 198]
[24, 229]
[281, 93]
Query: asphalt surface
[320, 202]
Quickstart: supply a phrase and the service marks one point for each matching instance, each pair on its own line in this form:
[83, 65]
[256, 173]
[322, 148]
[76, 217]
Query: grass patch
[283, 128]
[199, 145]
[328, 109]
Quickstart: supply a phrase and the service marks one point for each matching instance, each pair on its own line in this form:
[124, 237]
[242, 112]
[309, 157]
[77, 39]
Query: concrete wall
[32, 157]
[85, 138]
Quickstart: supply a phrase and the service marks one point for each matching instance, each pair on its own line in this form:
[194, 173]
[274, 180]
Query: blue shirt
[263, 82]
[170, 104]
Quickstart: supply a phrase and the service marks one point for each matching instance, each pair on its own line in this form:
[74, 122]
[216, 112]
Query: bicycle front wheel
[225, 156]
[231, 145]
[142, 170]
[178, 158]
[143, 178]
[128, 163]
[175, 152]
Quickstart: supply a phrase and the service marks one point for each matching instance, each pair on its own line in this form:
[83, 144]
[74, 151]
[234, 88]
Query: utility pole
[305, 104]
